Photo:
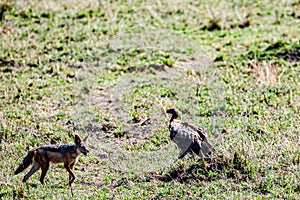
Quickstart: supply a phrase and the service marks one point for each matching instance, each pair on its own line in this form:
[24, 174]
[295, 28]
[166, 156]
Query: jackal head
[80, 144]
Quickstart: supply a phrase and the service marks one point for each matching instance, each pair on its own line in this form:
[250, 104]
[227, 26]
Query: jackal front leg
[69, 168]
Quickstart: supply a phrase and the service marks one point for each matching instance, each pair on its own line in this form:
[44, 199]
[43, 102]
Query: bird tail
[206, 148]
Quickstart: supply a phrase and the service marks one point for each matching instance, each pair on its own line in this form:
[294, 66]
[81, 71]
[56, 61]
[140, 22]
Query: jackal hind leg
[69, 168]
[34, 168]
[45, 168]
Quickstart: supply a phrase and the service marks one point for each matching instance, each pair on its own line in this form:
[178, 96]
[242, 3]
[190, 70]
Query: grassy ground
[91, 67]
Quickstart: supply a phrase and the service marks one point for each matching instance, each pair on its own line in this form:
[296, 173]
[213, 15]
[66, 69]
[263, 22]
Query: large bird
[188, 138]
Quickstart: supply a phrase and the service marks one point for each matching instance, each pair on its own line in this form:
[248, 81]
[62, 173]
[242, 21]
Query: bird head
[174, 112]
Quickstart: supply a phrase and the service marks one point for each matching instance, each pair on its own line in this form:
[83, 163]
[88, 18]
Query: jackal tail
[26, 162]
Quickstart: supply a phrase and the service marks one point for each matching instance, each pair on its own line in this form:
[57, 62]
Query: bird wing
[181, 135]
[202, 140]
[199, 131]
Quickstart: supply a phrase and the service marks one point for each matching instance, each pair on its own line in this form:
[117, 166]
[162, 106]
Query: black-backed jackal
[65, 153]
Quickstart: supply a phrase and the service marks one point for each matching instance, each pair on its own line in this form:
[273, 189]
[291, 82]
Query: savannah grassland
[230, 67]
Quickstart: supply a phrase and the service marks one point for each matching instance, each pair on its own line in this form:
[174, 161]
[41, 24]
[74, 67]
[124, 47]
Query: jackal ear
[85, 139]
[77, 139]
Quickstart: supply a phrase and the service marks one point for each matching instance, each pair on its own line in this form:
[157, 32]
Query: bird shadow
[208, 169]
